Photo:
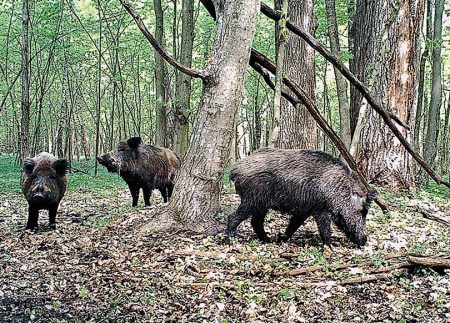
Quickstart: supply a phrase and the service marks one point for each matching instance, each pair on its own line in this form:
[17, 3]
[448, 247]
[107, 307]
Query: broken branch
[184, 69]
[334, 60]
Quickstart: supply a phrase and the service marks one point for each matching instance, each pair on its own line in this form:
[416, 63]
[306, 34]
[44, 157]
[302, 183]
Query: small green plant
[57, 304]
[83, 293]
[286, 293]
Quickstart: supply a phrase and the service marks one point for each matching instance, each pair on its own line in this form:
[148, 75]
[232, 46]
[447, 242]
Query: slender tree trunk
[183, 92]
[62, 117]
[161, 120]
[430, 148]
[444, 146]
[297, 128]
[196, 198]
[282, 35]
[386, 53]
[341, 84]
[25, 122]
[420, 128]
[99, 95]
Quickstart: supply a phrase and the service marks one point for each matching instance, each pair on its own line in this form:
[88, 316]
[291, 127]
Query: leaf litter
[100, 266]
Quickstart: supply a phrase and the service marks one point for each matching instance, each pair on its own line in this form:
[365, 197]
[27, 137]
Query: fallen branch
[306, 270]
[431, 262]
[433, 217]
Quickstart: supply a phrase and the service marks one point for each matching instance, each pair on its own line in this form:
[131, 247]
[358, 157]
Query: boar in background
[44, 184]
[143, 166]
[301, 183]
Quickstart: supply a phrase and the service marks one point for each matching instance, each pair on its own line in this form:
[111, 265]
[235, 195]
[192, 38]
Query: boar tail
[371, 195]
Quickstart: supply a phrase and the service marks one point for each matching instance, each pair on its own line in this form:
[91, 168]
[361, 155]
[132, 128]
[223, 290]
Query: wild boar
[143, 166]
[302, 183]
[44, 184]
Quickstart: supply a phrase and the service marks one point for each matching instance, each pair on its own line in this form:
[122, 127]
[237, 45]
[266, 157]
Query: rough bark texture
[297, 127]
[25, 122]
[386, 53]
[341, 84]
[281, 34]
[196, 198]
[161, 120]
[183, 95]
[431, 139]
[419, 111]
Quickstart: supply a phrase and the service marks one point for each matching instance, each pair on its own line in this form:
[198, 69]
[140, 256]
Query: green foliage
[10, 173]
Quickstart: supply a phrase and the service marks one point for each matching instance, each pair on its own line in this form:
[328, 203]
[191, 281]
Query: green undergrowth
[81, 179]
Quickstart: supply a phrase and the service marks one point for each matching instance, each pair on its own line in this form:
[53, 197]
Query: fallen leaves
[106, 268]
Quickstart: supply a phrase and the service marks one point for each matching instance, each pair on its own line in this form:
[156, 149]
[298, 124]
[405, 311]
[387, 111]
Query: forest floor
[100, 266]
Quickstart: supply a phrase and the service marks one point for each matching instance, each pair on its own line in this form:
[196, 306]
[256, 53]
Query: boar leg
[235, 219]
[52, 216]
[33, 216]
[169, 191]
[323, 221]
[147, 195]
[296, 221]
[164, 194]
[134, 190]
[258, 225]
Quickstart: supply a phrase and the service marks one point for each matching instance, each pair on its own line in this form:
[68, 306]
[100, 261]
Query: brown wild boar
[301, 183]
[44, 184]
[143, 166]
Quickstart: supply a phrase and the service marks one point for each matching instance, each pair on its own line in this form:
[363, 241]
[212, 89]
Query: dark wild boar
[44, 184]
[143, 166]
[301, 183]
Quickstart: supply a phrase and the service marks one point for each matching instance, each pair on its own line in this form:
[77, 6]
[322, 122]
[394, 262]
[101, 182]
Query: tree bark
[281, 35]
[430, 148]
[341, 84]
[386, 53]
[183, 95]
[161, 120]
[297, 128]
[196, 198]
[25, 121]
[423, 60]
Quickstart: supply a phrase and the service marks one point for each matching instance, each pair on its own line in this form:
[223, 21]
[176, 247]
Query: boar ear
[60, 166]
[28, 166]
[134, 142]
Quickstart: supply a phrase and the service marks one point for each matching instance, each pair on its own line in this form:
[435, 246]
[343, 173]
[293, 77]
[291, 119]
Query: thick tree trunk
[183, 95]
[386, 53]
[196, 198]
[431, 138]
[297, 128]
[341, 84]
[161, 120]
[25, 122]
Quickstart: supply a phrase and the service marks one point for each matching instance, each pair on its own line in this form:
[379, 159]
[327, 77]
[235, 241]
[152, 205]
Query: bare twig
[184, 69]
[433, 217]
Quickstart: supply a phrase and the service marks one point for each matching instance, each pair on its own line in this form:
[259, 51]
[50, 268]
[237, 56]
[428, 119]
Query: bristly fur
[143, 167]
[302, 183]
[44, 183]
